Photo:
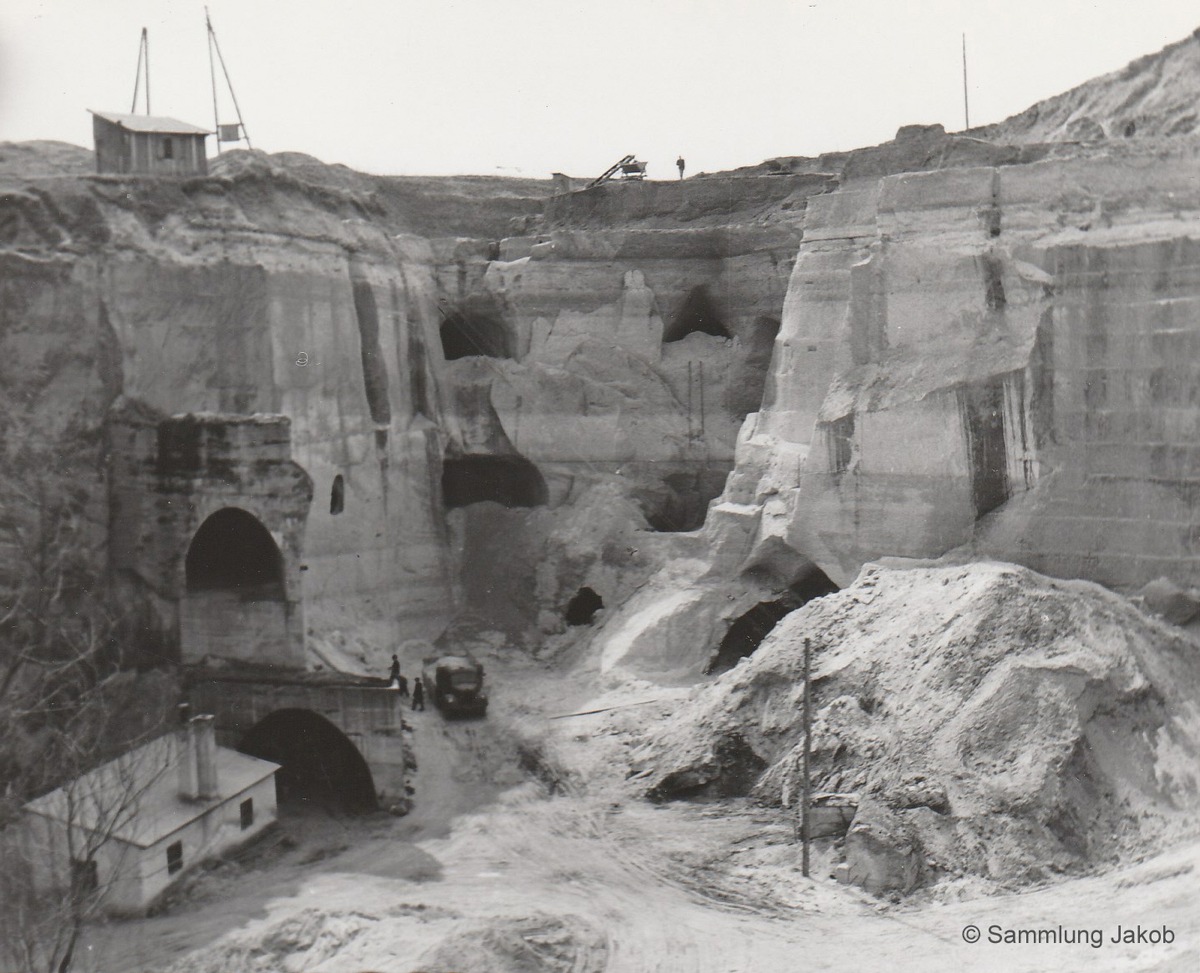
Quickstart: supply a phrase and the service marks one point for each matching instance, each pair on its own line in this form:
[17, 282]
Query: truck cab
[454, 683]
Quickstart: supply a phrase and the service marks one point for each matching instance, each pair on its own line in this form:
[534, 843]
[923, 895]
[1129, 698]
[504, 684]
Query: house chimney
[204, 739]
[198, 759]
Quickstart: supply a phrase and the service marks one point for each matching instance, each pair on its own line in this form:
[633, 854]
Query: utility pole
[806, 798]
[966, 104]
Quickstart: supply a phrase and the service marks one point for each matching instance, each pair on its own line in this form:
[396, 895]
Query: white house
[133, 826]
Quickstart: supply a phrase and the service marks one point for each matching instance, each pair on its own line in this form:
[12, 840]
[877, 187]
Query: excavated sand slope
[1004, 724]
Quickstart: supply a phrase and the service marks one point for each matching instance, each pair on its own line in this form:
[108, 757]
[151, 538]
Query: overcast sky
[532, 86]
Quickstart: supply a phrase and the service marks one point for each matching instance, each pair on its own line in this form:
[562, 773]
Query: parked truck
[455, 684]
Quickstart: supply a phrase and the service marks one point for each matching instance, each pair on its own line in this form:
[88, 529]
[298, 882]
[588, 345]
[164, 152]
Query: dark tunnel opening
[233, 551]
[319, 765]
[466, 334]
[747, 632]
[696, 314]
[582, 608]
[511, 481]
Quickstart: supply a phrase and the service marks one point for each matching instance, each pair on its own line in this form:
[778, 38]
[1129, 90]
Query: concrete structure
[133, 826]
[207, 516]
[151, 145]
[296, 717]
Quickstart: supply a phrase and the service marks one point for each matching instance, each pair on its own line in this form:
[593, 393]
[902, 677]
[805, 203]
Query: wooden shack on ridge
[151, 145]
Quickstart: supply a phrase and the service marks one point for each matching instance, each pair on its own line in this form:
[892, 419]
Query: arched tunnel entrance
[235, 604]
[748, 630]
[233, 551]
[320, 765]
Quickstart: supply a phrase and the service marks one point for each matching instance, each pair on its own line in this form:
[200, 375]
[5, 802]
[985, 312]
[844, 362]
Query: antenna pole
[137, 75]
[966, 104]
[146, 41]
[232, 94]
[212, 74]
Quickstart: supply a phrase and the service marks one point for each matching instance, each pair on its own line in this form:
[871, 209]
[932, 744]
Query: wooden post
[806, 798]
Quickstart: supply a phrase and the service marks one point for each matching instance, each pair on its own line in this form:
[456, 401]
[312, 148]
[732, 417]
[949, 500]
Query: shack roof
[135, 798]
[159, 124]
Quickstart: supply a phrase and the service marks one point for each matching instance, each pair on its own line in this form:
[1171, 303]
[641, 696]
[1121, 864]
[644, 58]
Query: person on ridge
[394, 674]
[418, 695]
[680, 164]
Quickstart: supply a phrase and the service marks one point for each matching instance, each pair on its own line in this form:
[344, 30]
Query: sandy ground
[523, 856]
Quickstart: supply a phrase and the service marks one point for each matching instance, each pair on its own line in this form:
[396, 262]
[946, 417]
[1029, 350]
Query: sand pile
[992, 721]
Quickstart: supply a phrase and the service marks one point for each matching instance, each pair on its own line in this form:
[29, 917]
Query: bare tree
[64, 709]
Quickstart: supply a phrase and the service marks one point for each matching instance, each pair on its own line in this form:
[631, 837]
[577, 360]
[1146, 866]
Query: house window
[168, 149]
[174, 857]
[84, 877]
[247, 810]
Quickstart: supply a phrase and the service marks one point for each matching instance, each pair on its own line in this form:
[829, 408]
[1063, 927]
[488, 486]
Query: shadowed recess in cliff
[374, 373]
[748, 630]
[696, 314]
[473, 331]
[511, 481]
[982, 411]
[748, 380]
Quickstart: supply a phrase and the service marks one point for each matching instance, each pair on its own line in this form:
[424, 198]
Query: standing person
[680, 164]
[394, 674]
[403, 687]
[418, 697]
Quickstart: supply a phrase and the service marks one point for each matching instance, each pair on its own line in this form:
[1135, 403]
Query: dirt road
[505, 865]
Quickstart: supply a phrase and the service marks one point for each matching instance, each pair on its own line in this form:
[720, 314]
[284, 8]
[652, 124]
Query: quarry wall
[994, 357]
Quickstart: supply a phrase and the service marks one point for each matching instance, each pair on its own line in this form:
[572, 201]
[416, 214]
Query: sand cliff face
[403, 360]
[996, 357]
[237, 296]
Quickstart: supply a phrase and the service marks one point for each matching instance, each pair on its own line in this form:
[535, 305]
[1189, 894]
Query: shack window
[168, 149]
[247, 812]
[174, 857]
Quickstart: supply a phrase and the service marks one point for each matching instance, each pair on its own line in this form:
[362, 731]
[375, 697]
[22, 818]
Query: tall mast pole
[966, 104]
[212, 74]
[146, 42]
[137, 75]
[232, 94]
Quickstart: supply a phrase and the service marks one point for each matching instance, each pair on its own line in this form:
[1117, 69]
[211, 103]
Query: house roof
[135, 797]
[159, 124]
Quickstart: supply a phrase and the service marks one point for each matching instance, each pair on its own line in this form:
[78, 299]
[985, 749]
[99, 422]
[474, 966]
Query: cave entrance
[467, 334]
[232, 551]
[511, 481]
[582, 608]
[697, 314]
[748, 630]
[319, 765]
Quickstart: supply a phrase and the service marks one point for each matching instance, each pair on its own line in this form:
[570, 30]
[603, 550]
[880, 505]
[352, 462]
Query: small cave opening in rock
[696, 314]
[582, 608]
[511, 481]
[475, 333]
[747, 632]
[680, 501]
[319, 765]
[337, 495]
[233, 551]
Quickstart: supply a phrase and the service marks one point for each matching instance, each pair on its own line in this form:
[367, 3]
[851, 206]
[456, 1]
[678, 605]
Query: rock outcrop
[993, 357]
